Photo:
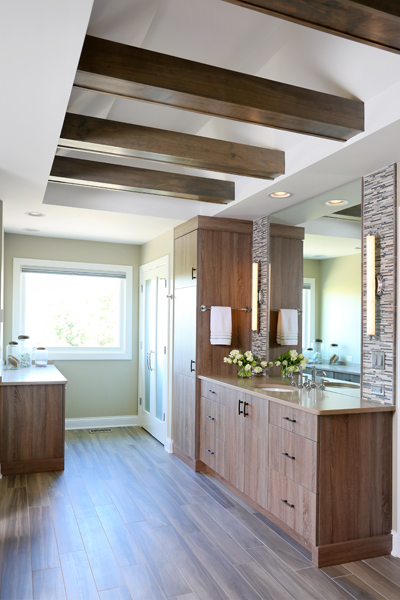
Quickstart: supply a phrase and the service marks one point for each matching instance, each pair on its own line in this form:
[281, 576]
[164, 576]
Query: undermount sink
[341, 384]
[279, 389]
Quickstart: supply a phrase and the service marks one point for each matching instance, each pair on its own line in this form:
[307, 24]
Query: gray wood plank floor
[125, 520]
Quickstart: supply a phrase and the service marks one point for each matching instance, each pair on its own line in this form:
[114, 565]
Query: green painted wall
[341, 305]
[312, 269]
[95, 388]
[157, 248]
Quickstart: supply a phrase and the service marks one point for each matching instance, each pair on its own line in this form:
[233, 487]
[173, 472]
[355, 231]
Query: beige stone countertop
[315, 401]
[40, 375]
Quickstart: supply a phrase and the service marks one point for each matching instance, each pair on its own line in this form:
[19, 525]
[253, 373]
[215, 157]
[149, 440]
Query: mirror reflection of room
[332, 265]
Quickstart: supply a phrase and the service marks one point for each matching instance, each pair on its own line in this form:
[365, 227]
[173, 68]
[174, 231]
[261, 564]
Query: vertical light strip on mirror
[254, 298]
[370, 248]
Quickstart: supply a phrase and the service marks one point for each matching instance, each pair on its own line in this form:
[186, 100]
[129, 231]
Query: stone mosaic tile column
[379, 217]
[260, 254]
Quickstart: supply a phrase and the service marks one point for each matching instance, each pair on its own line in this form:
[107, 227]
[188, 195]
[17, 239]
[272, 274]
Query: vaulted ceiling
[152, 149]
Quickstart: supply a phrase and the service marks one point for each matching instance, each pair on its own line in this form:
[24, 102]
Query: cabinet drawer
[212, 452]
[213, 391]
[293, 504]
[294, 457]
[212, 417]
[294, 420]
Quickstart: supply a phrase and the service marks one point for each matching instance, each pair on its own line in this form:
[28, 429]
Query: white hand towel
[287, 328]
[221, 326]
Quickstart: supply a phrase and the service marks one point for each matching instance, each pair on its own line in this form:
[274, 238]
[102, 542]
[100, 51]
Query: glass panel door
[154, 346]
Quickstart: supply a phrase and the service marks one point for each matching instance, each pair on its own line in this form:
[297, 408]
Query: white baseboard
[93, 422]
[169, 445]
[396, 544]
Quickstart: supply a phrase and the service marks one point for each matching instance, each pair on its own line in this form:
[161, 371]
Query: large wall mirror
[331, 291]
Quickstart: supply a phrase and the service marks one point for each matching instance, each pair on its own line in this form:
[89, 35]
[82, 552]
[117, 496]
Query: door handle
[287, 503]
[192, 362]
[194, 270]
[149, 360]
[245, 414]
[210, 451]
[240, 412]
[210, 417]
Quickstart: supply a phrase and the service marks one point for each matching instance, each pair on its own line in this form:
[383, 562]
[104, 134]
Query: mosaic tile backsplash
[260, 255]
[379, 217]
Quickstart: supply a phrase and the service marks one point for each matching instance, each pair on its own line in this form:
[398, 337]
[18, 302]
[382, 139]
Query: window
[308, 312]
[78, 311]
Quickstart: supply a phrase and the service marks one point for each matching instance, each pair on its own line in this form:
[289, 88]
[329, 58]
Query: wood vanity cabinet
[325, 479]
[32, 425]
[212, 267]
[234, 438]
[330, 481]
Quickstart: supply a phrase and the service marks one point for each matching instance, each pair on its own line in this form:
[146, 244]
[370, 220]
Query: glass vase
[284, 372]
[243, 374]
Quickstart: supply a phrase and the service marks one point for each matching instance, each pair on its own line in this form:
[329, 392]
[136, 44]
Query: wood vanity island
[319, 463]
[32, 420]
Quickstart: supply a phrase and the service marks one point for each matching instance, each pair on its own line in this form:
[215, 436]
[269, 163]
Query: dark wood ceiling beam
[119, 177]
[122, 139]
[121, 70]
[371, 22]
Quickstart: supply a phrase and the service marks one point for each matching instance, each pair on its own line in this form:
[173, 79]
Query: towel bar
[203, 308]
[278, 309]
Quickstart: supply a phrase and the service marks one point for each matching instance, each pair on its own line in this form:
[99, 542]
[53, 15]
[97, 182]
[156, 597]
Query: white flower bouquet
[290, 362]
[246, 361]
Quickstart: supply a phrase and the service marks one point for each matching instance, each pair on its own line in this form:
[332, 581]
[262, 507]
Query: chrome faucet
[316, 372]
[300, 378]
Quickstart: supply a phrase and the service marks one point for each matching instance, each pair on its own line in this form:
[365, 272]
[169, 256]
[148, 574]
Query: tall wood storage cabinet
[286, 284]
[212, 267]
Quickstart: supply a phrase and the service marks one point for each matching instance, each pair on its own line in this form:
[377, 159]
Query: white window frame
[124, 352]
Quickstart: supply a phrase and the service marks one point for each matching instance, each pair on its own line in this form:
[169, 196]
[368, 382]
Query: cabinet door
[186, 260]
[255, 418]
[185, 331]
[184, 404]
[234, 438]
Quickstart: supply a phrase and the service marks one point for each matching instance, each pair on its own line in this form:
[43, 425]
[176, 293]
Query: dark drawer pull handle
[240, 412]
[212, 392]
[288, 455]
[287, 419]
[245, 414]
[210, 417]
[192, 362]
[210, 451]
[287, 503]
[193, 273]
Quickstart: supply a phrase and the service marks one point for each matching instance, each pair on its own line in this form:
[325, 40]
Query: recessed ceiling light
[336, 202]
[29, 229]
[280, 194]
[35, 214]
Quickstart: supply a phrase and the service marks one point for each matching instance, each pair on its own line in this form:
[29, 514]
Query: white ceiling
[322, 247]
[41, 44]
